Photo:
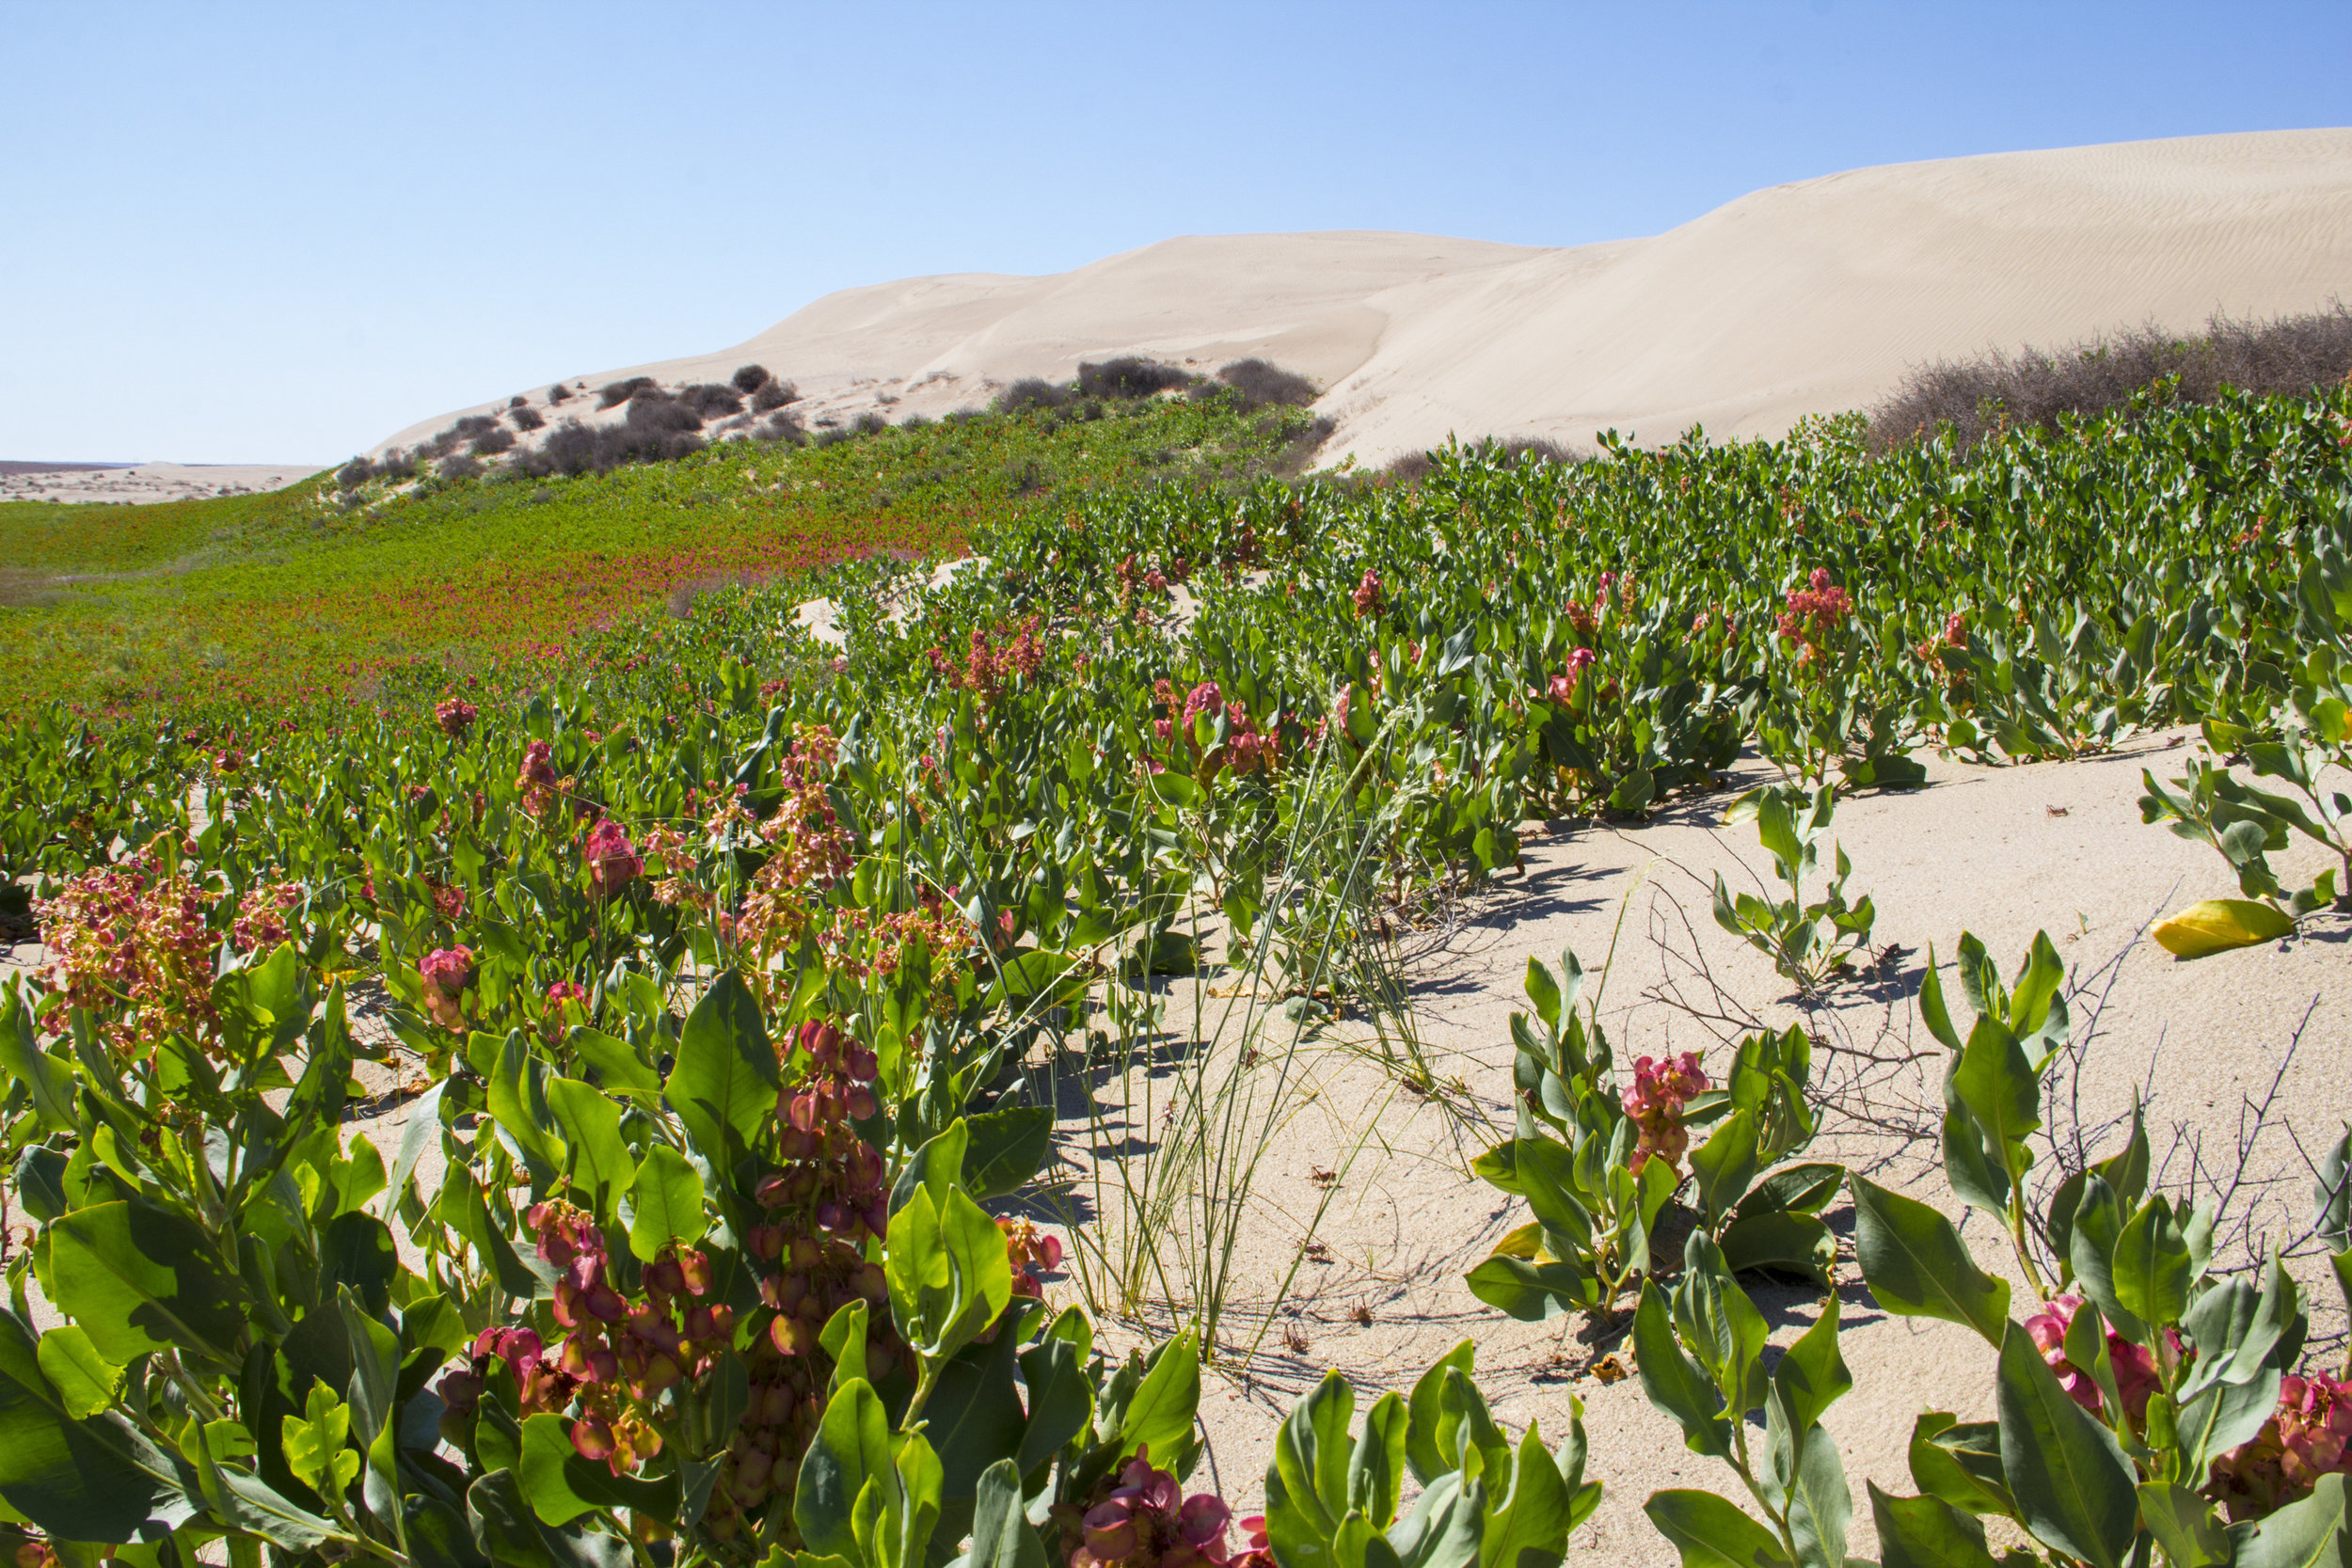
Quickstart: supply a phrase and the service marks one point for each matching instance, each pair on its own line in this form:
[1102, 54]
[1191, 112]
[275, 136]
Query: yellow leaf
[2219, 924]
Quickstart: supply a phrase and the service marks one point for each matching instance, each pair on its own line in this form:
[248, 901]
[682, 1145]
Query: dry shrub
[774, 395]
[1973, 398]
[614, 394]
[526, 418]
[493, 441]
[1032, 392]
[711, 400]
[749, 378]
[1260, 383]
[1130, 376]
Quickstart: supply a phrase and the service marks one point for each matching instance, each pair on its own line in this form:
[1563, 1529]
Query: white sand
[1805, 298]
[149, 481]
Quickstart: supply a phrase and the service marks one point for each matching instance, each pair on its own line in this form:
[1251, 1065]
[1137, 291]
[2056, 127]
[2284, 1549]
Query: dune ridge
[1808, 298]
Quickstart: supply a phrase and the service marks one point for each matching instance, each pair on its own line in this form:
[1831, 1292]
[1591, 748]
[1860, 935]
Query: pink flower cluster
[455, 717]
[2136, 1375]
[537, 780]
[446, 973]
[1563, 686]
[1032, 1252]
[2311, 1436]
[137, 935]
[1147, 1522]
[612, 860]
[1660, 1090]
[1814, 614]
[1367, 595]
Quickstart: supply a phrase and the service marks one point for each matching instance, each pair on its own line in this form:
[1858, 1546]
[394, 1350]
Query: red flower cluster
[1659, 1091]
[992, 662]
[135, 948]
[1146, 1521]
[1032, 1252]
[1816, 613]
[815, 851]
[537, 780]
[612, 860]
[446, 973]
[263, 920]
[1563, 686]
[2311, 1436]
[2136, 1375]
[455, 717]
[1367, 595]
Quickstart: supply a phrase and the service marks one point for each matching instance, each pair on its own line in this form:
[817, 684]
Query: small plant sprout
[1813, 944]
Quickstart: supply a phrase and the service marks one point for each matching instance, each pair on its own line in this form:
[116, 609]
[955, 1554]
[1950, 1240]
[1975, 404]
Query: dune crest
[1801, 298]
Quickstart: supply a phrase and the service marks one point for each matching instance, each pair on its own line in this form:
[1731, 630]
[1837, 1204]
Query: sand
[1805, 298]
[144, 481]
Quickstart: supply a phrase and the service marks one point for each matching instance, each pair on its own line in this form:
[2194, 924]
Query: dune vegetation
[736, 969]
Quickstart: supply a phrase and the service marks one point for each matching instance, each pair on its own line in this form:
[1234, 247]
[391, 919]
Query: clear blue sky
[257, 233]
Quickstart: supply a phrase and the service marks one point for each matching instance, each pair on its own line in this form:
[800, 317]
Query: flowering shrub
[455, 717]
[2310, 1437]
[612, 860]
[1146, 1521]
[445, 974]
[2134, 1369]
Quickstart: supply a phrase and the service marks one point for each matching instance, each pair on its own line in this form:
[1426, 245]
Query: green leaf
[2306, 1534]
[1422, 1453]
[1820, 1505]
[511, 1537]
[2074, 1489]
[1005, 1148]
[48, 1081]
[1917, 1265]
[723, 1083]
[1932, 1007]
[95, 1479]
[1712, 1532]
[1724, 1165]
[667, 1200]
[1813, 1375]
[599, 1162]
[2218, 925]
[1780, 1238]
[2183, 1525]
[86, 1382]
[1160, 1415]
[2151, 1265]
[516, 1094]
[1674, 1382]
[615, 1061]
[1061, 1397]
[1997, 1081]
[852, 1448]
[975, 1413]
[560, 1485]
[1001, 1533]
[1306, 1485]
[1926, 1532]
[1529, 1529]
[1376, 1470]
[139, 1278]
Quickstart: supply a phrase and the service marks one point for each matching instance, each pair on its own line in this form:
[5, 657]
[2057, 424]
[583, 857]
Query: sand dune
[143, 482]
[1802, 298]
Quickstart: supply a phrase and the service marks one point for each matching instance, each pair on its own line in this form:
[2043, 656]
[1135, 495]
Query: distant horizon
[397, 227]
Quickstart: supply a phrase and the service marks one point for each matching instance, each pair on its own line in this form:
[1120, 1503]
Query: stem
[2017, 1240]
[922, 1394]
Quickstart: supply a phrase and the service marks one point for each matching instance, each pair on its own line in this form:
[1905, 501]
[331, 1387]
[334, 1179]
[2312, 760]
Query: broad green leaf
[1812, 1376]
[2074, 1489]
[1674, 1382]
[1917, 1265]
[1529, 1529]
[1375, 1469]
[1160, 1415]
[95, 1479]
[599, 1162]
[1926, 1532]
[1421, 1452]
[512, 1536]
[1712, 1532]
[1001, 1533]
[86, 1382]
[139, 1278]
[2185, 1526]
[2306, 1534]
[667, 1197]
[1724, 1165]
[852, 1448]
[2151, 1265]
[723, 1083]
[1005, 1148]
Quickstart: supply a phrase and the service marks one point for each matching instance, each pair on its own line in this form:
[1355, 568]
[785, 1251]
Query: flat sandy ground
[1377, 1289]
[1818, 294]
[146, 482]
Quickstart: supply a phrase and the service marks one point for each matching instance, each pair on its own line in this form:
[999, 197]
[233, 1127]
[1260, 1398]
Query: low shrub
[459, 466]
[656, 430]
[1032, 392]
[711, 400]
[1130, 376]
[528, 419]
[472, 426]
[493, 441]
[355, 473]
[1259, 382]
[783, 426]
[869, 423]
[750, 378]
[1975, 398]
[773, 394]
[612, 394]
[397, 463]
[518, 400]
[558, 393]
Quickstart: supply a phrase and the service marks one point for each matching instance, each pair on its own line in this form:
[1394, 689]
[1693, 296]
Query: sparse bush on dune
[782, 426]
[493, 441]
[1032, 392]
[656, 430]
[1973, 398]
[869, 423]
[459, 466]
[355, 473]
[1261, 381]
[518, 400]
[558, 393]
[614, 394]
[528, 419]
[1130, 376]
[750, 378]
[773, 394]
[711, 400]
[397, 463]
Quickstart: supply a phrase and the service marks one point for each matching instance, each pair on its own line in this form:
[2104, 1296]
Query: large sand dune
[1803, 298]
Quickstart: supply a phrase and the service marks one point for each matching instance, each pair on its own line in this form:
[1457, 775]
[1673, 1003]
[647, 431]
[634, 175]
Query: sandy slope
[1803, 298]
[145, 482]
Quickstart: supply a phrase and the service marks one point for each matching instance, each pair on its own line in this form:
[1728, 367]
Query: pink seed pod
[592, 1436]
[696, 1265]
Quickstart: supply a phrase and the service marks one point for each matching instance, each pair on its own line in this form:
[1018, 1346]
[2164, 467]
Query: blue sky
[274, 233]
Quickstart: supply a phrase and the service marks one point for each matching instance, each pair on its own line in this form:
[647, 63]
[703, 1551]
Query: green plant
[1812, 944]
[1598, 1163]
[2125, 1411]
